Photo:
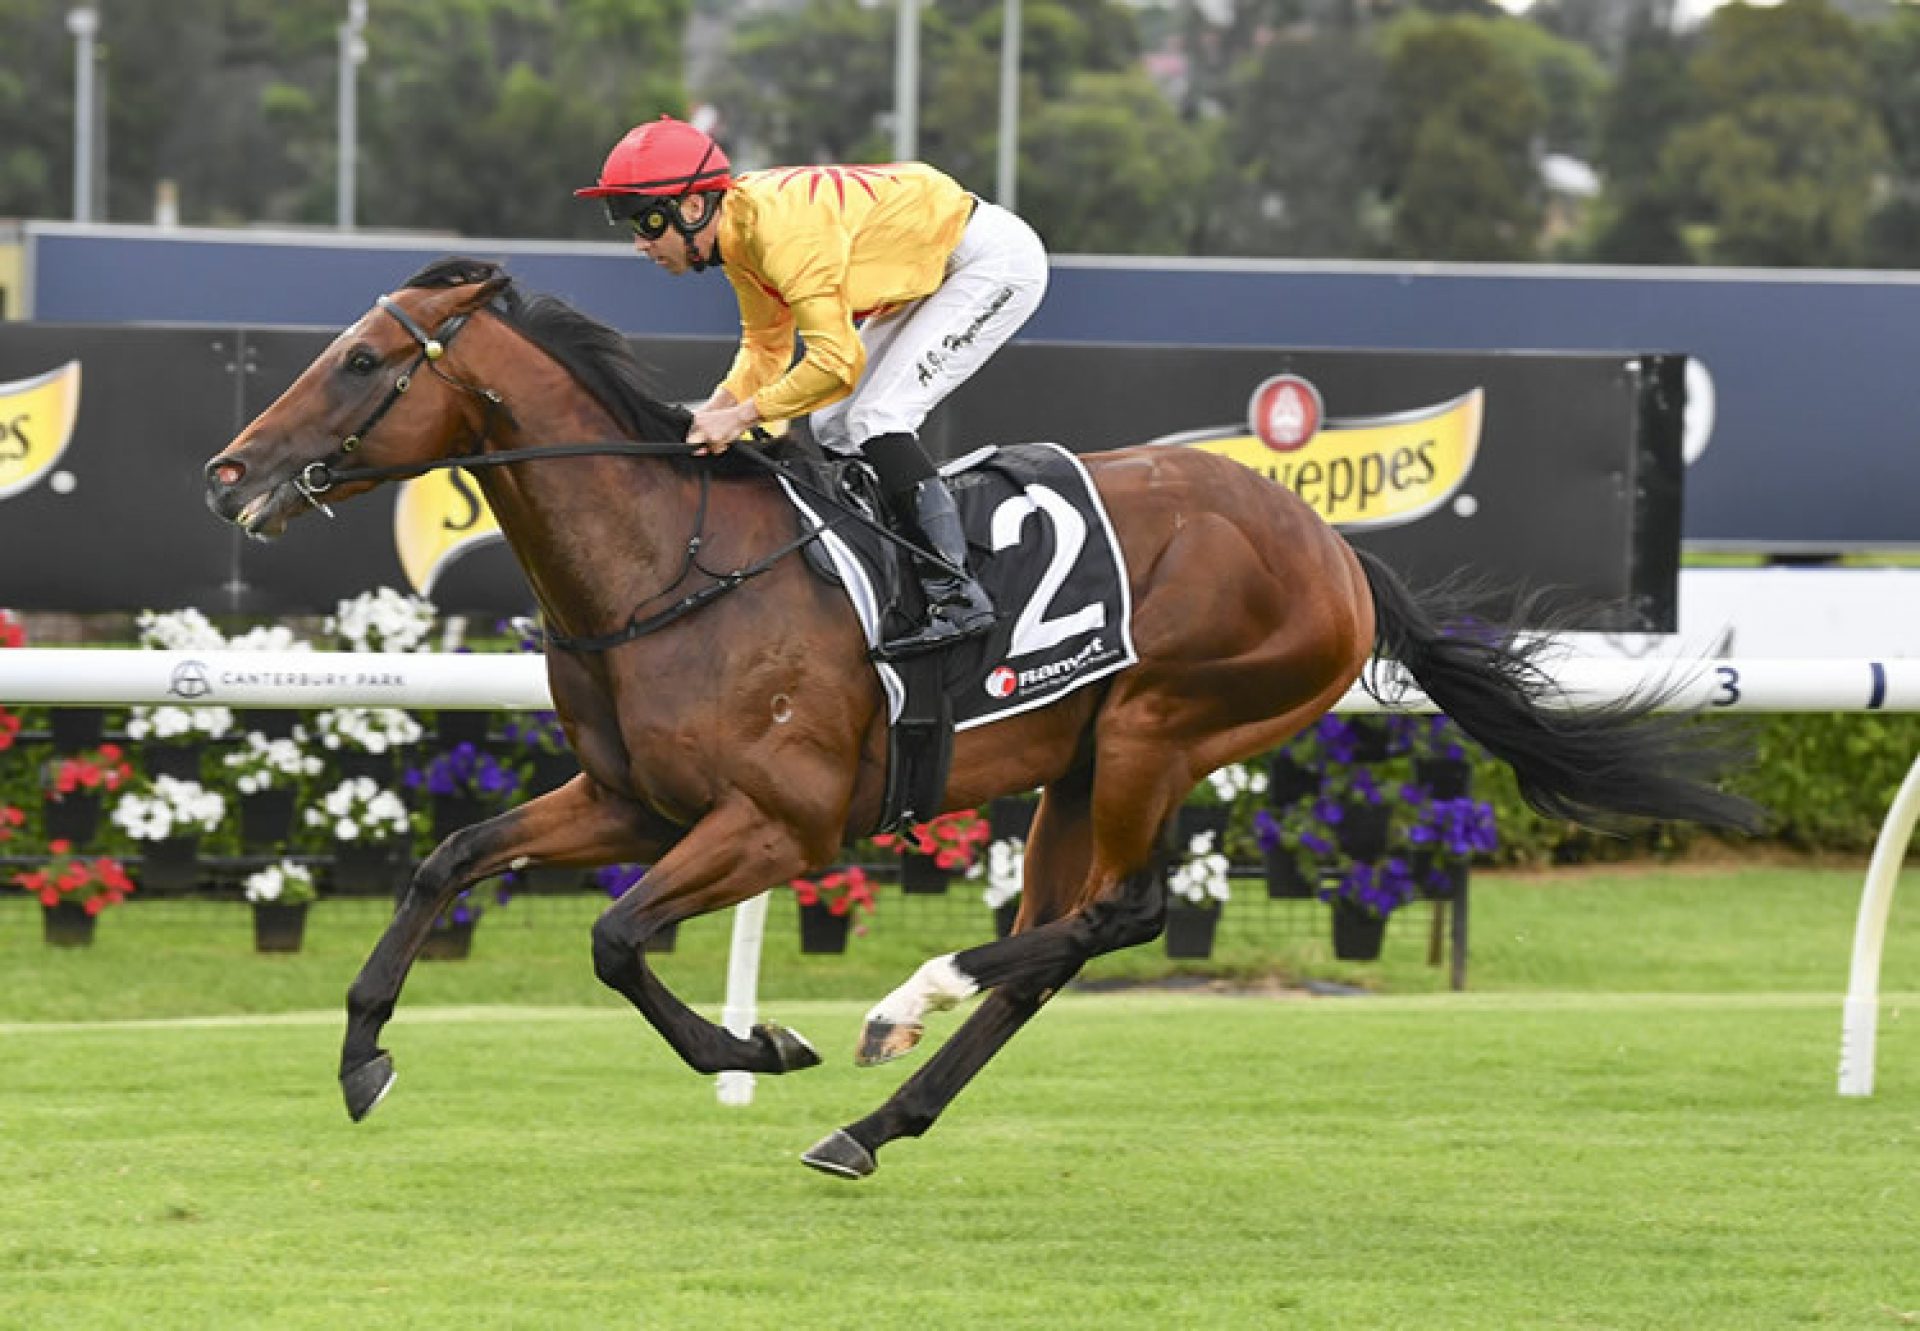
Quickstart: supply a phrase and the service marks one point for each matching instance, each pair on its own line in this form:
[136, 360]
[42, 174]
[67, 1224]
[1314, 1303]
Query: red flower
[953, 840]
[11, 819]
[95, 883]
[104, 768]
[11, 633]
[840, 891]
[9, 728]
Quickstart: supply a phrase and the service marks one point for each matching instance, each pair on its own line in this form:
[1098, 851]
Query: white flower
[359, 808]
[383, 620]
[285, 879]
[367, 729]
[1004, 868]
[262, 764]
[178, 630]
[269, 638]
[1234, 780]
[169, 807]
[179, 723]
[1202, 878]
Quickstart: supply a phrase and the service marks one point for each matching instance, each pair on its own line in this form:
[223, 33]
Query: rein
[318, 477]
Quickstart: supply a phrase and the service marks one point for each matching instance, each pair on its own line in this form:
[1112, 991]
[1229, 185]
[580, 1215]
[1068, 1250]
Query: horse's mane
[594, 354]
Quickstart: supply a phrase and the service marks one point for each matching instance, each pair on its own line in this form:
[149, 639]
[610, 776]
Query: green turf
[1629, 1122]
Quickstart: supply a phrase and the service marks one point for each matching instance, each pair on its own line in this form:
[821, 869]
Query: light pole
[83, 22]
[906, 83]
[353, 50]
[1009, 160]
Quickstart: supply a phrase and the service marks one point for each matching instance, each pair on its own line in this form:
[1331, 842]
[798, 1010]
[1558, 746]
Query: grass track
[1541, 1152]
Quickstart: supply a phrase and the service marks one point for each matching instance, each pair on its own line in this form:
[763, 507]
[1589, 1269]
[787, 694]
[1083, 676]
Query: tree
[1112, 168]
[1453, 147]
[1651, 97]
[1293, 172]
[1783, 165]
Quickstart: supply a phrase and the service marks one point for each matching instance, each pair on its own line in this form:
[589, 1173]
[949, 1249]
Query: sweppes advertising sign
[1552, 471]
[1545, 471]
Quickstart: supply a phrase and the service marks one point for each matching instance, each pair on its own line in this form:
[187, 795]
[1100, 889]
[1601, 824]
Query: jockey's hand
[714, 429]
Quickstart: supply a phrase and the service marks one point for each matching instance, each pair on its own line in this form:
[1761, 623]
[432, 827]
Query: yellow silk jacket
[811, 250]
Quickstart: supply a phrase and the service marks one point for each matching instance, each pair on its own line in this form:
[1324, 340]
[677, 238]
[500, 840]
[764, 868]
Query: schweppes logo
[36, 425]
[437, 518]
[1366, 471]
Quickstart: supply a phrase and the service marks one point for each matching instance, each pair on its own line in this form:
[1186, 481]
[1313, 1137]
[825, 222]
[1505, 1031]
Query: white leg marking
[935, 987]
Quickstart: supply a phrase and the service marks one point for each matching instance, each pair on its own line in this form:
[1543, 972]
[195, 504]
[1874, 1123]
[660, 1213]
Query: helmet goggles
[646, 215]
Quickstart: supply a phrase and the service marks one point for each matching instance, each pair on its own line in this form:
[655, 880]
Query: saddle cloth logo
[36, 425]
[1045, 550]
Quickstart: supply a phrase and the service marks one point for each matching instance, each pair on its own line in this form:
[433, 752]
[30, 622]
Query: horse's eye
[361, 361]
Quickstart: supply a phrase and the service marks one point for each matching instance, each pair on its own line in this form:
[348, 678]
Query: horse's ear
[485, 291]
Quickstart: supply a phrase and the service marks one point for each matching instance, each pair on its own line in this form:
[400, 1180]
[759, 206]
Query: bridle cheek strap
[316, 478]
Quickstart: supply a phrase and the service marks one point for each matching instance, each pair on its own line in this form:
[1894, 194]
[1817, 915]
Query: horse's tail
[1597, 766]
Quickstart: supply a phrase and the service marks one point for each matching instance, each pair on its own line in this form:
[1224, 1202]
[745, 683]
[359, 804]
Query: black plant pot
[382, 767]
[1357, 933]
[367, 868]
[1289, 781]
[1369, 739]
[77, 728]
[455, 728]
[75, 818]
[921, 875]
[448, 942]
[67, 924]
[550, 771]
[172, 865]
[180, 761]
[1286, 880]
[1444, 885]
[1445, 778]
[272, 722]
[1190, 930]
[1194, 819]
[278, 927]
[266, 819]
[1363, 829]
[453, 812]
[823, 931]
[1011, 817]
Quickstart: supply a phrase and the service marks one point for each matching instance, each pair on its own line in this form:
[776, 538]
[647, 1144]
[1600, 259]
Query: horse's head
[385, 394]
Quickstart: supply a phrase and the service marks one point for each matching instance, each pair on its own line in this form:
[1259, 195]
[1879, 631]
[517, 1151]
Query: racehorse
[726, 716]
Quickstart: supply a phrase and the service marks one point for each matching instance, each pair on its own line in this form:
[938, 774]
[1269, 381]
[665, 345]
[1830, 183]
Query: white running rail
[518, 682]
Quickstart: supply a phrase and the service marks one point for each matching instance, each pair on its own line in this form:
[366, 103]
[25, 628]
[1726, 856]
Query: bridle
[318, 477]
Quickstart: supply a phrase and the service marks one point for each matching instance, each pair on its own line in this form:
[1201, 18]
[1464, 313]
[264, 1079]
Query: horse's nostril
[224, 473]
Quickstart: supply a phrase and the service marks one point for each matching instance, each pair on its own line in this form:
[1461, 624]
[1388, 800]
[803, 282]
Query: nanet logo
[36, 425]
[1370, 471]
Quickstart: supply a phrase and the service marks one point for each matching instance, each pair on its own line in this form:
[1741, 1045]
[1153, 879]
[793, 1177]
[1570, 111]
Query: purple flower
[615, 879]
[1266, 831]
[465, 770]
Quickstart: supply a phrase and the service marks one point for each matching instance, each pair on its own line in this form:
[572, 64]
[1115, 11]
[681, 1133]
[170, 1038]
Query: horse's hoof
[884, 1041]
[841, 1156]
[790, 1047]
[367, 1085]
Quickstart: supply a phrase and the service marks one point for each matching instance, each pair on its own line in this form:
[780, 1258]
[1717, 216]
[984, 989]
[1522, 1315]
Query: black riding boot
[957, 607]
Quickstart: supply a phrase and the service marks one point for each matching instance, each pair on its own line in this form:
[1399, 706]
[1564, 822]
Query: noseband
[316, 478]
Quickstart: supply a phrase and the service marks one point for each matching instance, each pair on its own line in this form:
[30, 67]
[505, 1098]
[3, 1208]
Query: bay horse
[743, 743]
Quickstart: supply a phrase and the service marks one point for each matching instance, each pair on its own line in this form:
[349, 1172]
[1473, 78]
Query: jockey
[898, 282]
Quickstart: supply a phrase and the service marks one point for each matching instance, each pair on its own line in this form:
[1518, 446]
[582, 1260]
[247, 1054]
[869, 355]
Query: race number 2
[1033, 631]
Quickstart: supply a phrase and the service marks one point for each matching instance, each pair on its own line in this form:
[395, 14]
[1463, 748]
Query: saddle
[1040, 541]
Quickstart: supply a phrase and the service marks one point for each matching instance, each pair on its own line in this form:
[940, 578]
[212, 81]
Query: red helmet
[668, 157]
